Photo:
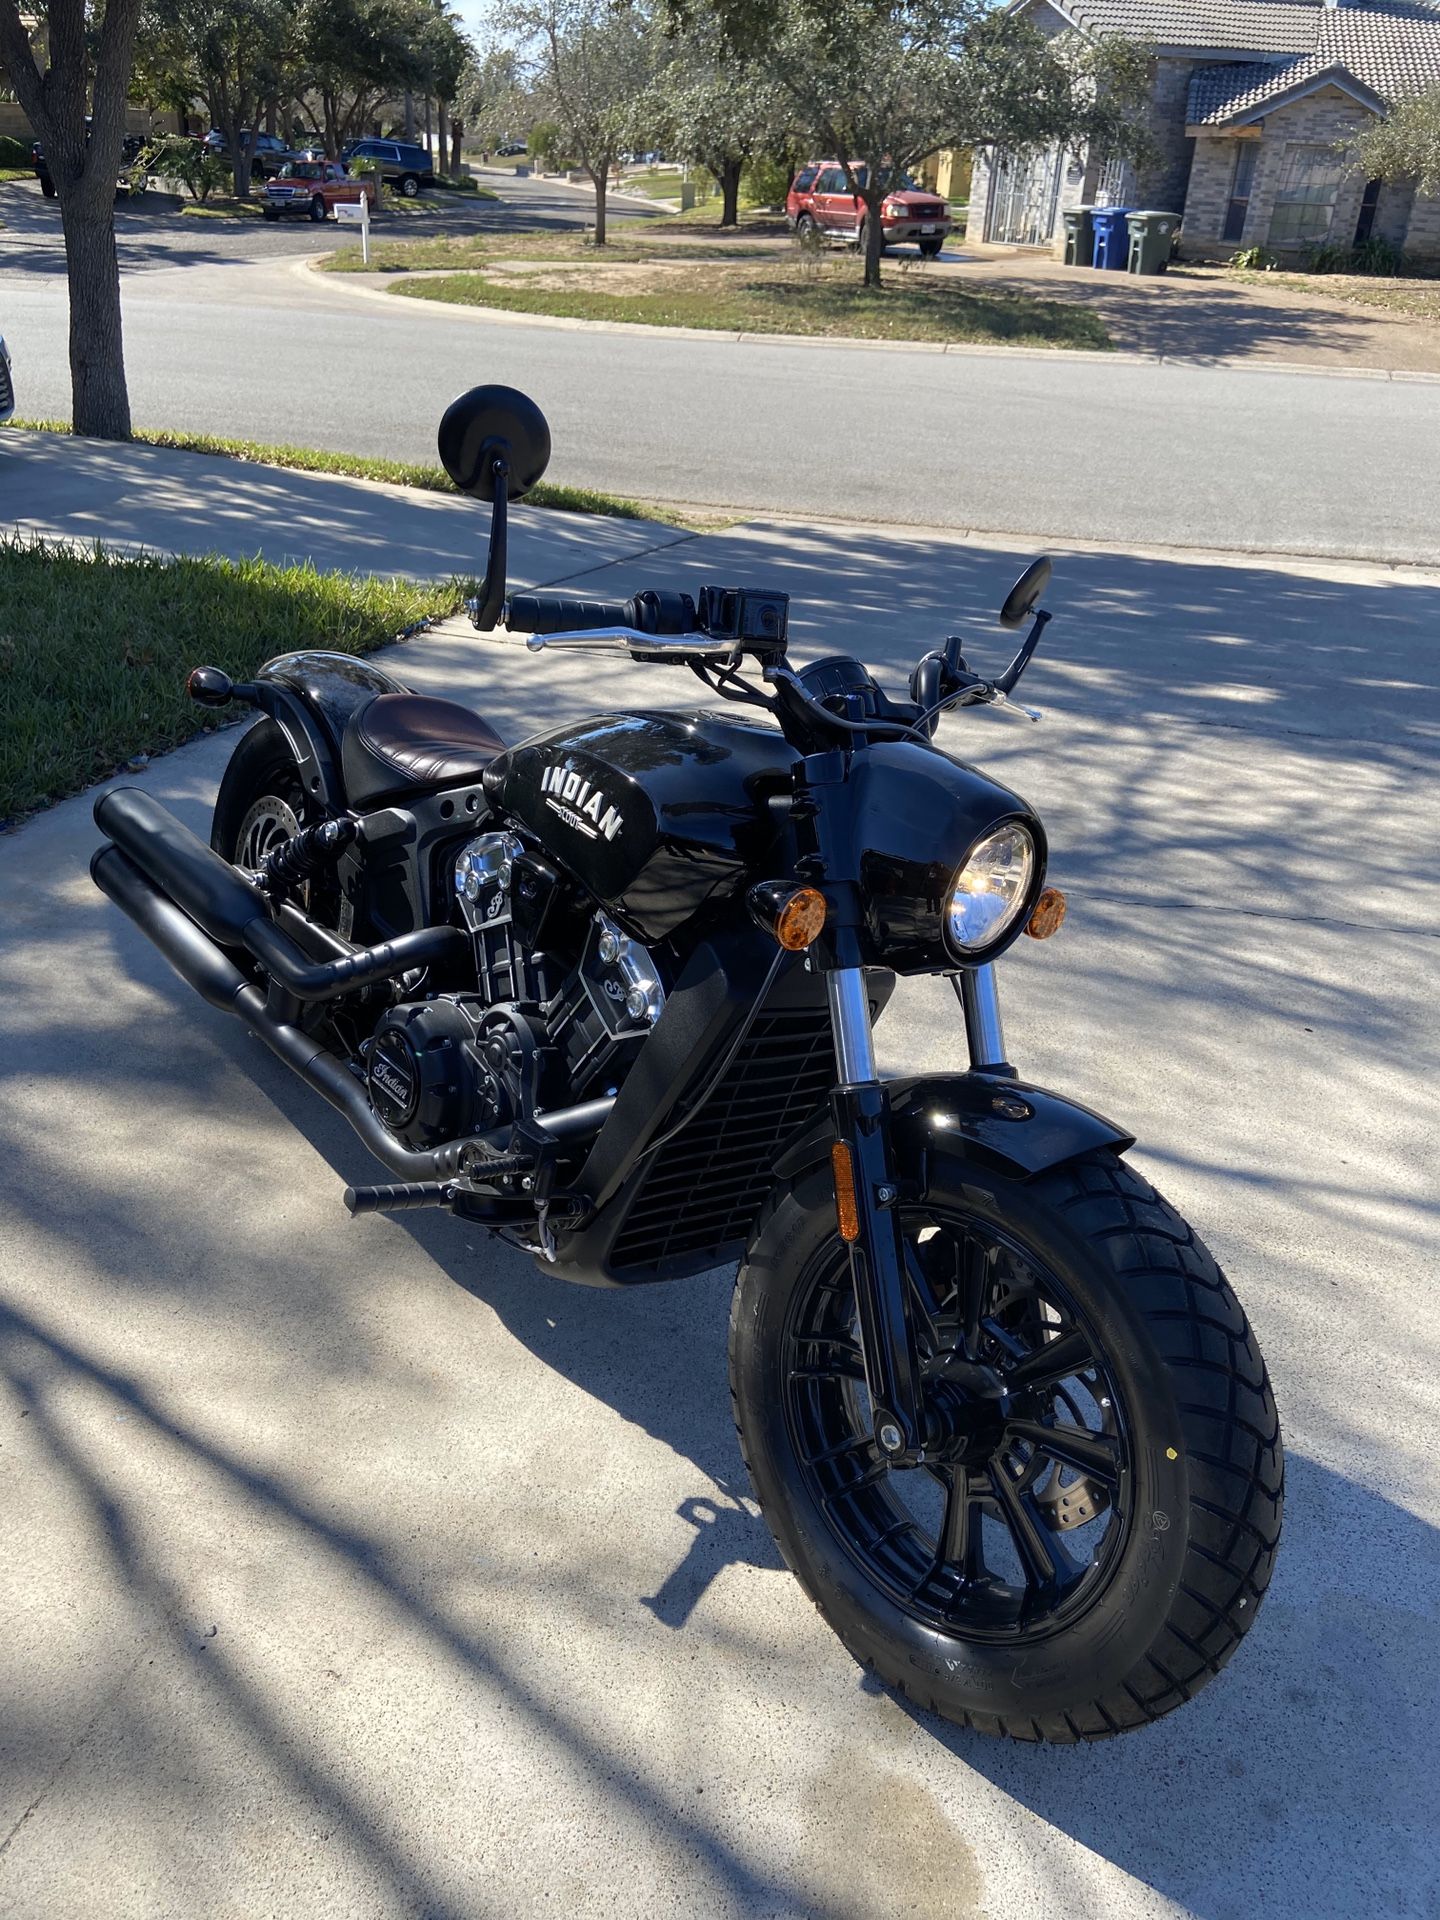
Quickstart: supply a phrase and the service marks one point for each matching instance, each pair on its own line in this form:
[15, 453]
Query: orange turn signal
[1046, 914]
[793, 915]
[847, 1212]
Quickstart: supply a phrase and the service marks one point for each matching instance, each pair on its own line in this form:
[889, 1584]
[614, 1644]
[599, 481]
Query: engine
[565, 1002]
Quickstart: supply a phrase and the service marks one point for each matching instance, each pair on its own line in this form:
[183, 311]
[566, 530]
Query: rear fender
[998, 1123]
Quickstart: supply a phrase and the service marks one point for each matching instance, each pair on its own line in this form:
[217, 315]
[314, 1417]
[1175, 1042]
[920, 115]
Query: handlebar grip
[565, 613]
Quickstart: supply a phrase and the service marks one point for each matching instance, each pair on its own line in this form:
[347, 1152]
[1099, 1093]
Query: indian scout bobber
[610, 992]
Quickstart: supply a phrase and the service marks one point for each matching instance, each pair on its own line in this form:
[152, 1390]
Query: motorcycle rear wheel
[1094, 1534]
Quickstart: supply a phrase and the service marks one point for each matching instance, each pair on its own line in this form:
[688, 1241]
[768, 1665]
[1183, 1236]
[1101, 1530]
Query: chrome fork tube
[850, 1018]
[980, 1003]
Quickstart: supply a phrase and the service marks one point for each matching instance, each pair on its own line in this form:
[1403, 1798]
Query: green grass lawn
[95, 647]
[782, 298]
[1406, 298]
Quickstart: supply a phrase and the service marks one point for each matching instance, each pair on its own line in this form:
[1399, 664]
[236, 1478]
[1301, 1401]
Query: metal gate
[1024, 193]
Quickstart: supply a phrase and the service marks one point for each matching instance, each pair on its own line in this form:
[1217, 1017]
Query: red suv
[820, 200]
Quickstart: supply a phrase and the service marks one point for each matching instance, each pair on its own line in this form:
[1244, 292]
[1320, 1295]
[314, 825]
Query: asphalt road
[358, 1568]
[1036, 444]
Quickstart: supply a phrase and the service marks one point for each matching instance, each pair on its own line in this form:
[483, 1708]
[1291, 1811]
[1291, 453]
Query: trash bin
[1151, 235]
[1110, 238]
[1079, 236]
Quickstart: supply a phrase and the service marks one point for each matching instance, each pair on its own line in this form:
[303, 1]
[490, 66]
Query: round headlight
[991, 888]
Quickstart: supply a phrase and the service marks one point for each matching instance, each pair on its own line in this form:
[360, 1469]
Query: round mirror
[488, 421]
[1024, 596]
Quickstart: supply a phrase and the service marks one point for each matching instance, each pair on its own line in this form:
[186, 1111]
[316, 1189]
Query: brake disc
[1065, 1505]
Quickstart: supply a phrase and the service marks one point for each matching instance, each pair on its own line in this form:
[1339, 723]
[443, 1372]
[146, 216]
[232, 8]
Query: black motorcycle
[611, 992]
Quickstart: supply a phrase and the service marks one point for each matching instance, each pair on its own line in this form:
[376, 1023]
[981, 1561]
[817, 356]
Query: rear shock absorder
[310, 851]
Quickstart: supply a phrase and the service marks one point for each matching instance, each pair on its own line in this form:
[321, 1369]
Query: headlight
[990, 889]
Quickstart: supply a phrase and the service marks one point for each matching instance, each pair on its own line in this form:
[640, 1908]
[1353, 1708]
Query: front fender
[999, 1123]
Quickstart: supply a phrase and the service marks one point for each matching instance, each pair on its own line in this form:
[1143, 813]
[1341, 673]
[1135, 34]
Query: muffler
[215, 977]
[235, 913]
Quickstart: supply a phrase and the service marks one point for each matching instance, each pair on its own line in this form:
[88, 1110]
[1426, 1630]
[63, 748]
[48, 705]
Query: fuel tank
[656, 814]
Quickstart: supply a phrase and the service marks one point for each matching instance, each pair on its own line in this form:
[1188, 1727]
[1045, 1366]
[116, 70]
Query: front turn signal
[847, 1210]
[1046, 914]
[793, 916]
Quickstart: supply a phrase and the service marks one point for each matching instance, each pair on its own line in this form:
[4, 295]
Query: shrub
[1379, 256]
[192, 163]
[765, 182]
[1255, 259]
[14, 153]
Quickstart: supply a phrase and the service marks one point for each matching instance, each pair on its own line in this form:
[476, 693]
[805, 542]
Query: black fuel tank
[654, 813]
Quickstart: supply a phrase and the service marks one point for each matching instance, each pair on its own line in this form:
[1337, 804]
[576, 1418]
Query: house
[1250, 101]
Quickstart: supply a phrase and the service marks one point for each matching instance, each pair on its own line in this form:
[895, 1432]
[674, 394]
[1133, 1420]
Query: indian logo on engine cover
[579, 804]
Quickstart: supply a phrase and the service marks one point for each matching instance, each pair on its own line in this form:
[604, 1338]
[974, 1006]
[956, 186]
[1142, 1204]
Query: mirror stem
[1022, 659]
[485, 611]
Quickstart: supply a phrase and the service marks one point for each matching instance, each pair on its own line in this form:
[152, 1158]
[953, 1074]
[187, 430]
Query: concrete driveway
[357, 1568]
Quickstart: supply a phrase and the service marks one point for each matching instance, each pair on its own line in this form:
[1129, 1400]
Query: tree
[595, 61]
[441, 55]
[492, 99]
[353, 54]
[84, 70]
[1406, 147]
[717, 107]
[234, 55]
[879, 84]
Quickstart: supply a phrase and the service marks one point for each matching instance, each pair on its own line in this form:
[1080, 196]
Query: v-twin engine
[565, 1001]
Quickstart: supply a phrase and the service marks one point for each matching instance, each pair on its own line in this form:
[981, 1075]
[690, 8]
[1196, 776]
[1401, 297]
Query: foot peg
[399, 1199]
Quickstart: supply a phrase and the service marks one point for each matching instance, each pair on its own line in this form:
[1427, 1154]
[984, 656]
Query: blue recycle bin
[1112, 238]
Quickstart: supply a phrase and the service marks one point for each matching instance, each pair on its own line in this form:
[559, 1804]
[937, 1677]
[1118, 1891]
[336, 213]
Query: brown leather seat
[406, 743]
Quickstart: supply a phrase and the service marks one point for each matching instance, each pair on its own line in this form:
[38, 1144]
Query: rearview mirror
[490, 426]
[1024, 596]
[495, 445]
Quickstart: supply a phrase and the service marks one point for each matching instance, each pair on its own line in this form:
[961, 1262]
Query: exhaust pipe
[215, 977]
[235, 913]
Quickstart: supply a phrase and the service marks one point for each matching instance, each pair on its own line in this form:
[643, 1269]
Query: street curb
[1224, 363]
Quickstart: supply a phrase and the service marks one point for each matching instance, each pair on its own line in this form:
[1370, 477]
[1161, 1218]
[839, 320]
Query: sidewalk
[360, 1568]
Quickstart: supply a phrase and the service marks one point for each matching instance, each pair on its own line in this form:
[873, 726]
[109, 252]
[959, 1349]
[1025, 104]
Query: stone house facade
[1251, 102]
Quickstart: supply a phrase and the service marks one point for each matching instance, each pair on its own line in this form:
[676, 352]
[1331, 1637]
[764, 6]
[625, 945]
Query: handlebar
[565, 612]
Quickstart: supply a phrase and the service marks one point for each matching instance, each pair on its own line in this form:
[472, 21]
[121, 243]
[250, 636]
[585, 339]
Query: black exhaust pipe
[215, 977]
[235, 913]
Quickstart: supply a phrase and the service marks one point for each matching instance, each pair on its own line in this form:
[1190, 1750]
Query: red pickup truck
[316, 187]
[820, 200]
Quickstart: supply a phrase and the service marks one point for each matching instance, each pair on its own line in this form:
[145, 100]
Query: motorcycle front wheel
[1095, 1524]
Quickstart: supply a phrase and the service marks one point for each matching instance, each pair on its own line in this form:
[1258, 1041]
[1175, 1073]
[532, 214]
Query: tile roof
[1247, 26]
[1392, 47]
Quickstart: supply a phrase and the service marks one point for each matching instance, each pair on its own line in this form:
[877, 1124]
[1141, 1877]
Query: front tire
[1096, 1528]
[317, 208]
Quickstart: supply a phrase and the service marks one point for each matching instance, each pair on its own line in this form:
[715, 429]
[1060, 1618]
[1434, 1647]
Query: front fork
[868, 1196]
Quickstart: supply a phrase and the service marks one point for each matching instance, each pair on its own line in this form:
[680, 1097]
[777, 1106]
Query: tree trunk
[873, 234]
[409, 115]
[272, 116]
[729, 177]
[444, 132]
[457, 136]
[100, 405]
[600, 176]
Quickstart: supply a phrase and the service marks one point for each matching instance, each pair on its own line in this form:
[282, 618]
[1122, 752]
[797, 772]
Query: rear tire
[1182, 1501]
[409, 185]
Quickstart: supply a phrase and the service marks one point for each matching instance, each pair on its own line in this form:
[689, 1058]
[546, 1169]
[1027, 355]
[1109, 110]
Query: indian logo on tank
[579, 804]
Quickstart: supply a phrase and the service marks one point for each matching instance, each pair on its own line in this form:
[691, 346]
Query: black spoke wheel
[1012, 1524]
[1093, 1526]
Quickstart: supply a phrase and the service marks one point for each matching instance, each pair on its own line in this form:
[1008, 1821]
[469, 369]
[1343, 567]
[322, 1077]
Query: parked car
[401, 165]
[802, 192]
[7, 382]
[127, 181]
[316, 187]
[512, 149]
[269, 153]
[825, 203]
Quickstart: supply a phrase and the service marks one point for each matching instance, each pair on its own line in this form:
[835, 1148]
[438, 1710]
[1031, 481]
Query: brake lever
[1015, 708]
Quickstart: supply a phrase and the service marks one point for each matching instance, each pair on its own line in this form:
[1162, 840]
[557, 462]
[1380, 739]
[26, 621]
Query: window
[1239, 202]
[831, 181]
[804, 178]
[1110, 184]
[1305, 197]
